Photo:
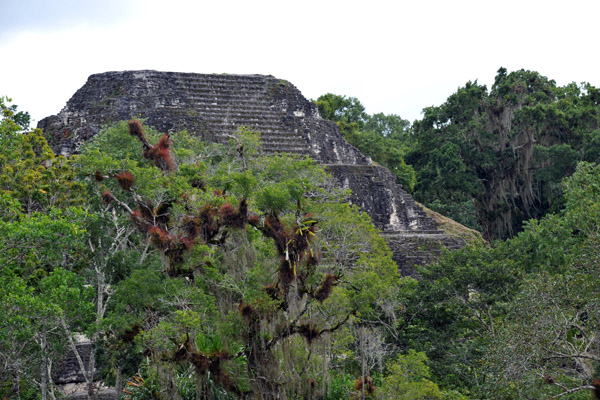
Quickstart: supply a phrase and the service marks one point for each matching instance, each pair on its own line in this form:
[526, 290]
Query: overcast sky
[396, 57]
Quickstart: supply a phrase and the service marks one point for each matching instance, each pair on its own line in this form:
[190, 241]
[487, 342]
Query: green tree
[517, 320]
[31, 174]
[235, 234]
[347, 112]
[551, 326]
[43, 245]
[37, 328]
[10, 116]
[390, 126]
[408, 378]
[19, 351]
[508, 149]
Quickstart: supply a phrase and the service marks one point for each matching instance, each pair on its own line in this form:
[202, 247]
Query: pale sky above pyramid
[396, 57]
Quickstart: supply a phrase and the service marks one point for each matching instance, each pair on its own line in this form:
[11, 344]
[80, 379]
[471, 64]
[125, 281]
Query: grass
[453, 228]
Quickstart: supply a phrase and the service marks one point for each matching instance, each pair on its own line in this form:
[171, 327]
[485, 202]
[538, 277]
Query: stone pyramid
[213, 106]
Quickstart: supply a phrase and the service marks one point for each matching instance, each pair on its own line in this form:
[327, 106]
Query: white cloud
[55, 15]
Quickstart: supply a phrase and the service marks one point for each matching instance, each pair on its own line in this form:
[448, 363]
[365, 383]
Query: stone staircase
[374, 188]
[224, 110]
[412, 249]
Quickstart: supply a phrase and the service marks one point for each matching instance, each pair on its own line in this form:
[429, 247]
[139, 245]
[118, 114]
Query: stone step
[214, 116]
[274, 130]
[420, 233]
[215, 99]
[251, 114]
[224, 108]
[224, 86]
[216, 105]
[287, 134]
[265, 120]
[298, 151]
[211, 91]
[280, 146]
[274, 136]
[206, 80]
[282, 140]
[275, 139]
[240, 90]
[221, 119]
[230, 128]
[284, 147]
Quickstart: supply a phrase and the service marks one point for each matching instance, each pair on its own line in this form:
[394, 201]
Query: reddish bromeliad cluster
[210, 223]
[159, 153]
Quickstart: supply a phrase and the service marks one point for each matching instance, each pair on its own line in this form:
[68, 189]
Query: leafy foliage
[517, 320]
[409, 379]
[11, 118]
[501, 155]
[244, 260]
[42, 250]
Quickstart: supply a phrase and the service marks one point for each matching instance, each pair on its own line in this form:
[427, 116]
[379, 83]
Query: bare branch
[572, 391]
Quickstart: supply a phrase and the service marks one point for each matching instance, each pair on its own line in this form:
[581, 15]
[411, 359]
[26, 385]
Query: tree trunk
[100, 308]
[76, 352]
[16, 385]
[91, 367]
[362, 362]
[43, 367]
[326, 352]
[119, 381]
[261, 365]
[51, 385]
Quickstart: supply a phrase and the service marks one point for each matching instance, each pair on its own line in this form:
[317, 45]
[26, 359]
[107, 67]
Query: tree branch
[292, 329]
[572, 391]
[74, 349]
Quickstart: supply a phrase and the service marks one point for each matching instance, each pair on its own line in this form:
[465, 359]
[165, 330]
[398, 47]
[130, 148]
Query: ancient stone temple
[213, 106]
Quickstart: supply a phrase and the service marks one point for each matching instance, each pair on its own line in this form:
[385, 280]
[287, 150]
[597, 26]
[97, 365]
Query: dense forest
[213, 271]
